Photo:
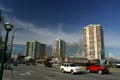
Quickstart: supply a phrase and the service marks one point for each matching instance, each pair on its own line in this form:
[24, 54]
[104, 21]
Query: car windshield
[73, 65]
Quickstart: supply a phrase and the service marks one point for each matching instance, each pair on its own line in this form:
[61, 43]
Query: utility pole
[8, 28]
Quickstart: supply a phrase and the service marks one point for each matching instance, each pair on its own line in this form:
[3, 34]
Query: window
[67, 65]
[73, 65]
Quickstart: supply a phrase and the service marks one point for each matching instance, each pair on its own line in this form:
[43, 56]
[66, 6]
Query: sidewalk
[114, 69]
[7, 75]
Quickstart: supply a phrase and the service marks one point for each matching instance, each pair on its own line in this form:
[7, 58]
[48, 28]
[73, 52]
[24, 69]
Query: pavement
[7, 75]
[40, 72]
[114, 69]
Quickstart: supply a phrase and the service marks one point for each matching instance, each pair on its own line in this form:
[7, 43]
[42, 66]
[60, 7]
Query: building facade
[1, 23]
[93, 42]
[35, 50]
[59, 49]
[1, 27]
[42, 54]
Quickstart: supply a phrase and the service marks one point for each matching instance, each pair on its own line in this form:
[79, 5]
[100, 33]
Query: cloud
[112, 40]
[22, 24]
[33, 32]
[46, 35]
[5, 9]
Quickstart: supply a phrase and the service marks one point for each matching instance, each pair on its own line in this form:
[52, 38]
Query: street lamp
[12, 46]
[8, 28]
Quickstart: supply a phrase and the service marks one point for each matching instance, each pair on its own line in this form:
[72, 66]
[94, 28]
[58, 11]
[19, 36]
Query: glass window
[72, 65]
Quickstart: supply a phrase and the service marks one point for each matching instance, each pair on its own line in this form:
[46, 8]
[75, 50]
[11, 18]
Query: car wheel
[100, 72]
[107, 72]
[88, 71]
[62, 70]
[72, 72]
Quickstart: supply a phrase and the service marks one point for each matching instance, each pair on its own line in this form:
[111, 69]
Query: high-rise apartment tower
[36, 50]
[59, 49]
[93, 42]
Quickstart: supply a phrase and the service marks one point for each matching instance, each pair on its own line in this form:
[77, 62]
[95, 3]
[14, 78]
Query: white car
[117, 64]
[71, 67]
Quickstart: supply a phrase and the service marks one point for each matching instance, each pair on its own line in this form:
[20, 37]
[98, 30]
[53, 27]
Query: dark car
[15, 63]
[97, 68]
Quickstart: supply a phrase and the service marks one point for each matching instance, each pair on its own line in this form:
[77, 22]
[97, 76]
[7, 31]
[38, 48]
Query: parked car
[47, 62]
[15, 63]
[97, 68]
[117, 64]
[55, 65]
[71, 67]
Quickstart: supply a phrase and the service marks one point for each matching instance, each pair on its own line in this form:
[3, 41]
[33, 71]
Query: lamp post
[12, 47]
[8, 28]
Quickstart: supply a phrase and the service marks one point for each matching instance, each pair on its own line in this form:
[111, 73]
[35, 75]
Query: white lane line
[22, 74]
[28, 73]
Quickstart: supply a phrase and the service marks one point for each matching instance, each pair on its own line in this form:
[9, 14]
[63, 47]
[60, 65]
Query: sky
[45, 20]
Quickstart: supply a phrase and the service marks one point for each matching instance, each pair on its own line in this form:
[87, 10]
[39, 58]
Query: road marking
[28, 73]
[22, 74]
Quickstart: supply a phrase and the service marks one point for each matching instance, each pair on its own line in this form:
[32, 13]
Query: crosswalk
[26, 73]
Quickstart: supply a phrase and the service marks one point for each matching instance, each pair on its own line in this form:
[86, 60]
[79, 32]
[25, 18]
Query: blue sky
[48, 19]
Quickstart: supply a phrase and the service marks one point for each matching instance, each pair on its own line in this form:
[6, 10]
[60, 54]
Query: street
[39, 72]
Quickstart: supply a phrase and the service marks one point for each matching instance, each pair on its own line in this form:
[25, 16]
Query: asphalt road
[39, 72]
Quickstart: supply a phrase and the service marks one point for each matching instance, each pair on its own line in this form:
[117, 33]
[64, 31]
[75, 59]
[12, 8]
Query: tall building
[93, 42]
[35, 50]
[42, 50]
[1, 26]
[59, 49]
[1, 23]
